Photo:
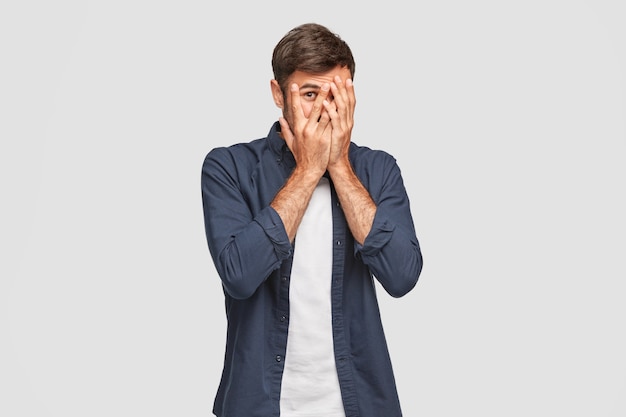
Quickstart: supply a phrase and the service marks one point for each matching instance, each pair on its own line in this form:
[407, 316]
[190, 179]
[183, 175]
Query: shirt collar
[276, 142]
[279, 147]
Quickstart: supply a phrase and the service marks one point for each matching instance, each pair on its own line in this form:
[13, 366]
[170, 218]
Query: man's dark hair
[310, 48]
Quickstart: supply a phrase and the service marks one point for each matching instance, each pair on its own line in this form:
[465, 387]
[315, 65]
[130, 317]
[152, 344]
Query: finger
[318, 104]
[331, 104]
[340, 97]
[351, 96]
[339, 89]
[343, 93]
[326, 115]
[296, 106]
[330, 110]
[324, 124]
[339, 112]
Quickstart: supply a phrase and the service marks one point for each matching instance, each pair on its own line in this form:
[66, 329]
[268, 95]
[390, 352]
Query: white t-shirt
[310, 387]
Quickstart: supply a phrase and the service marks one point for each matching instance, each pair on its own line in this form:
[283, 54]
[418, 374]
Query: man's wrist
[340, 168]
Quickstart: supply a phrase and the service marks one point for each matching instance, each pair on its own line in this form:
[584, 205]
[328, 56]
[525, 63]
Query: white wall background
[507, 118]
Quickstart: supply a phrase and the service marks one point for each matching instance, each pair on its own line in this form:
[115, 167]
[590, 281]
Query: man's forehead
[310, 80]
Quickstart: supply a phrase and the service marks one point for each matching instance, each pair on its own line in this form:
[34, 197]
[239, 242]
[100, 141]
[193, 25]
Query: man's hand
[310, 139]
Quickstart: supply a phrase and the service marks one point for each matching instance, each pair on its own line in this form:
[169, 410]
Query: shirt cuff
[379, 235]
[271, 223]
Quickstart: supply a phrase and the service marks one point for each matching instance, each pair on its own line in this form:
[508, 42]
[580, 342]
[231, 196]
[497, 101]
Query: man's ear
[277, 94]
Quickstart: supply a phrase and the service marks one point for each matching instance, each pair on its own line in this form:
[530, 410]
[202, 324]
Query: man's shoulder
[367, 155]
[241, 147]
[243, 155]
[238, 152]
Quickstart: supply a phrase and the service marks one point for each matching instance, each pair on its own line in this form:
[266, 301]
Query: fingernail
[326, 87]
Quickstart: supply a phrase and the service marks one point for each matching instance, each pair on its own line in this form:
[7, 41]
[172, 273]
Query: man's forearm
[293, 198]
[355, 200]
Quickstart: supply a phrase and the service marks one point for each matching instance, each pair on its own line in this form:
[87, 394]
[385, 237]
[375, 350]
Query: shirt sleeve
[245, 248]
[391, 250]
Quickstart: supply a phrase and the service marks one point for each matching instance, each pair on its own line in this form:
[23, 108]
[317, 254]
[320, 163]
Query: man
[299, 224]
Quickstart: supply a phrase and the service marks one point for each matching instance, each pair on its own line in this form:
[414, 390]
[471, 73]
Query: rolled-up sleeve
[391, 250]
[245, 247]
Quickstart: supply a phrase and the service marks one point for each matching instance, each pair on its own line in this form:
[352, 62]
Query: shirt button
[284, 278]
[283, 318]
[278, 358]
[339, 243]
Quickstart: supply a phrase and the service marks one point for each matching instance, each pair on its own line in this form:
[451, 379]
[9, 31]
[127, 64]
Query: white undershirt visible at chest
[310, 387]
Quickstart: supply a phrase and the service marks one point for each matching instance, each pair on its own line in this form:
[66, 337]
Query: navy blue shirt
[253, 256]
